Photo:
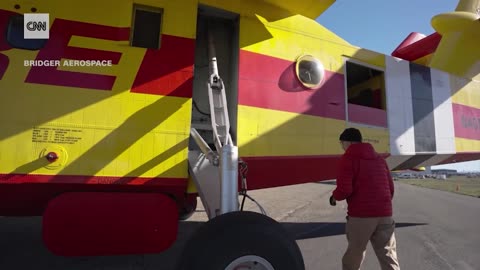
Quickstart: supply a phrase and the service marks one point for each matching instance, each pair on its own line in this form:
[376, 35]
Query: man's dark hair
[351, 135]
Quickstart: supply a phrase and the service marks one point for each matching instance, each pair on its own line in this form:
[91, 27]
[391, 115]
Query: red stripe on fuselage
[271, 83]
[27, 195]
[276, 171]
[265, 172]
[86, 179]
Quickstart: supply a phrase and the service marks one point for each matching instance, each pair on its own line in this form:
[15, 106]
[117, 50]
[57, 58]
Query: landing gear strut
[231, 239]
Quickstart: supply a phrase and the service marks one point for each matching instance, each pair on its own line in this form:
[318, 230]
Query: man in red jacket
[364, 180]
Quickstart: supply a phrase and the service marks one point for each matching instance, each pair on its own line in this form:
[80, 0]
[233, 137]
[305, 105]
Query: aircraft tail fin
[453, 47]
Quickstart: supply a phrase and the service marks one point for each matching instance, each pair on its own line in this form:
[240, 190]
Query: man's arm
[344, 180]
[390, 180]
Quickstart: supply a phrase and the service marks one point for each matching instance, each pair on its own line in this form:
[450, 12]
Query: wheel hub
[250, 262]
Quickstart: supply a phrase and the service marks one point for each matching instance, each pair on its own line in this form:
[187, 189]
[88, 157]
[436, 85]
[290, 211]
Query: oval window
[310, 71]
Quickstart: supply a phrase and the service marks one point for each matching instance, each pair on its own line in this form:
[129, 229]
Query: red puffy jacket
[365, 181]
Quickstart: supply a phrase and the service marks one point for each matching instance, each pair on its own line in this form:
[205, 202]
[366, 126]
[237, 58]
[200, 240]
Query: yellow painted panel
[113, 137]
[467, 145]
[264, 132]
[293, 36]
[466, 92]
[102, 133]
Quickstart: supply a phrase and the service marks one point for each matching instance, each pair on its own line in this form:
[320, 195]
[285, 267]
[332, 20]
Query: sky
[381, 25]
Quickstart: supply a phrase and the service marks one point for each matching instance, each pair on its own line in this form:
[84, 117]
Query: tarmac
[435, 230]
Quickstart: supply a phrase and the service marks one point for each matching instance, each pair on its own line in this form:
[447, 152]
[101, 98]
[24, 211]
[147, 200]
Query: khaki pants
[380, 231]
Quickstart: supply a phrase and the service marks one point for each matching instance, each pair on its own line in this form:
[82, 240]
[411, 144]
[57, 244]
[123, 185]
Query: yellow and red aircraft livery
[126, 126]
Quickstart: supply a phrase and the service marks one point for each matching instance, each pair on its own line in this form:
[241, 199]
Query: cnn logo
[36, 25]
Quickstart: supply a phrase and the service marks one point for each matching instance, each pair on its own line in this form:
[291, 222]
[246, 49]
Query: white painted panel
[399, 107]
[442, 104]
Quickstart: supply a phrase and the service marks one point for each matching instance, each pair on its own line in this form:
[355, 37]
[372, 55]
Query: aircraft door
[223, 27]
[365, 95]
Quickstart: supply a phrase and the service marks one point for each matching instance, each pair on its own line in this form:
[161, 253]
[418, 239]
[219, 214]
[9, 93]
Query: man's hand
[333, 202]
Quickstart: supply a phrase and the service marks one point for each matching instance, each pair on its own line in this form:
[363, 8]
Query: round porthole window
[310, 71]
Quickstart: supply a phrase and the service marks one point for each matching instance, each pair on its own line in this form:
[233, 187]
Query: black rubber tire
[188, 209]
[227, 237]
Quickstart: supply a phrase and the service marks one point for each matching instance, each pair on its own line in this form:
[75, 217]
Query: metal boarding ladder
[216, 173]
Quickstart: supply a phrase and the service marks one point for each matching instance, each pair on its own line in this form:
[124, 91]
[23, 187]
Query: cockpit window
[15, 35]
[310, 71]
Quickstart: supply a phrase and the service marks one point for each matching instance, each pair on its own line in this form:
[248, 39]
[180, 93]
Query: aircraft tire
[188, 209]
[241, 238]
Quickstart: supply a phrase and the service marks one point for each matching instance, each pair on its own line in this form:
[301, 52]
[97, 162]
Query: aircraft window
[310, 71]
[365, 86]
[15, 35]
[146, 29]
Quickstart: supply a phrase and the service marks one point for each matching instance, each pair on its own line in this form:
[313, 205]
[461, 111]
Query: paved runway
[435, 230]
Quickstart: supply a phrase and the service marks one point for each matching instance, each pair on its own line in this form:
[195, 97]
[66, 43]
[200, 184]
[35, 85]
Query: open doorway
[224, 28]
[365, 87]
